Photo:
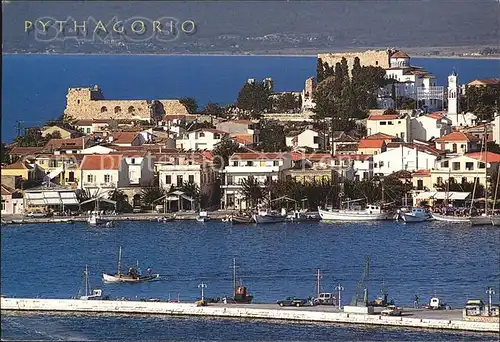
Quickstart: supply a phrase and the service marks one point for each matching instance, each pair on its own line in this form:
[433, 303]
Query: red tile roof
[352, 156]
[456, 136]
[124, 137]
[383, 117]
[492, 157]
[212, 130]
[369, 143]
[24, 151]
[57, 144]
[18, 165]
[258, 155]
[421, 173]
[399, 54]
[101, 162]
[437, 116]
[246, 139]
[379, 136]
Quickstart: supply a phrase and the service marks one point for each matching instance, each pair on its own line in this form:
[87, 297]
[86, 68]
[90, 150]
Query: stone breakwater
[254, 311]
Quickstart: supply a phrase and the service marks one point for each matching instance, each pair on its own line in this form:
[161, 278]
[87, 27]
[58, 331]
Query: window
[168, 179]
[316, 140]
[88, 129]
[3, 204]
[381, 164]
[402, 136]
[464, 180]
[383, 123]
[191, 178]
[52, 163]
[440, 180]
[216, 136]
[230, 180]
[388, 164]
[118, 109]
[104, 109]
[179, 181]
[375, 165]
[90, 178]
[481, 165]
[337, 162]
[107, 178]
[176, 161]
[454, 148]
[201, 135]
[249, 163]
[455, 166]
[445, 164]
[71, 176]
[462, 146]
[469, 166]
[399, 121]
[276, 163]
[235, 163]
[420, 184]
[131, 109]
[390, 123]
[132, 161]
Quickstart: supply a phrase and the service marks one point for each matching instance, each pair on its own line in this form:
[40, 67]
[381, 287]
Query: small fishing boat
[242, 219]
[166, 219]
[415, 215]
[264, 217]
[298, 216]
[96, 294]
[354, 213]
[203, 217]
[132, 276]
[450, 218]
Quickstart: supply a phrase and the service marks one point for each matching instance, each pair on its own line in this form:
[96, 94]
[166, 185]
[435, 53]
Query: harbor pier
[413, 318]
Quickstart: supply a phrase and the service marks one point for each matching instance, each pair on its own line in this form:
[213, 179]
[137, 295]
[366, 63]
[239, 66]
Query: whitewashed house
[457, 143]
[140, 167]
[406, 157]
[261, 166]
[105, 172]
[434, 125]
[397, 125]
[201, 139]
[308, 138]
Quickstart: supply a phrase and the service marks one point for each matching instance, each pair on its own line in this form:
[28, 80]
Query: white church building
[458, 118]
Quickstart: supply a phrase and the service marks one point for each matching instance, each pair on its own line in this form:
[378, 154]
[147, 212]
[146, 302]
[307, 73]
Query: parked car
[325, 298]
[37, 214]
[392, 310]
[292, 301]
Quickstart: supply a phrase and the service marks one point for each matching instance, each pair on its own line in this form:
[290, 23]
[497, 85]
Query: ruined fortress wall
[89, 104]
[368, 58]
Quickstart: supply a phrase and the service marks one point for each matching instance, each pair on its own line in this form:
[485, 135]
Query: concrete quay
[413, 318]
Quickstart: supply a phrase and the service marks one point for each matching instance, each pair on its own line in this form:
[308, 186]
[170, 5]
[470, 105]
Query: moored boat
[203, 217]
[265, 217]
[96, 294]
[369, 213]
[450, 218]
[132, 276]
[415, 215]
[242, 219]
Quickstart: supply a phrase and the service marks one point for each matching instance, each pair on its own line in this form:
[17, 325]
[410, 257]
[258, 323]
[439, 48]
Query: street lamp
[489, 292]
[339, 288]
[202, 286]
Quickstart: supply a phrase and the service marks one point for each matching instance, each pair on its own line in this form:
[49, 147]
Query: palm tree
[150, 194]
[192, 190]
[252, 191]
[122, 204]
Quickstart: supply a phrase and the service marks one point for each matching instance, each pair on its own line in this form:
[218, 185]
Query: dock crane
[361, 287]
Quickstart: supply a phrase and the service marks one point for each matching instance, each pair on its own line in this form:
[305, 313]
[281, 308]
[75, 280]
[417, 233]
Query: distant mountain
[246, 26]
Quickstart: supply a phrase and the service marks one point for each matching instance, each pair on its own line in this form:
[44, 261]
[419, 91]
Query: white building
[308, 138]
[104, 172]
[201, 139]
[397, 125]
[261, 166]
[457, 117]
[434, 125]
[140, 168]
[405, 157]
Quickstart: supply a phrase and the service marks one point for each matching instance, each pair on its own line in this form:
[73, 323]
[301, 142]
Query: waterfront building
[362, 166]
[371, 146]
[12, 201]
[176, 168]
[261, 166]
[398, 125]
[201, 139]
[89, 103]
[422, 181]
[468, 167]
[60, 168]
[105, 172]
[20, 169]
[429, 126]
[310, 168]
[50, 197]
[457, 143]
[66, 133]
[309, 137]
[140, 167]
[408, 157]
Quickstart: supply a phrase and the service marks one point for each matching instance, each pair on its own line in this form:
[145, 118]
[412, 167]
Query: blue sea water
[34, 86]
[452, 261]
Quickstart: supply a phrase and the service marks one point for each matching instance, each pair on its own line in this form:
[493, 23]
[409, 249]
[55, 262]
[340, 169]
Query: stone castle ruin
[89, 104]
[381, 58]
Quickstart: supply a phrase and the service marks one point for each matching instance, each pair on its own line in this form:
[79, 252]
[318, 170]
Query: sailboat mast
[119, 260]
[234, 277]
[486, 169]
[318, 287]
[496, 190]
[86, 280]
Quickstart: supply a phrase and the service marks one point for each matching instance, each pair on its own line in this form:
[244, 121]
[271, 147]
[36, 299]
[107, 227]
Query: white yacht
[414, 215]
[354, 213]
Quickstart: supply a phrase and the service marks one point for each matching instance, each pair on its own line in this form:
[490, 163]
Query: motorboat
[415, 215]
[203, 217]
[165, 219]
[303, 216]
[242, 219]
[369, 213]
[96, 294]
[264, 217]
[133, 274]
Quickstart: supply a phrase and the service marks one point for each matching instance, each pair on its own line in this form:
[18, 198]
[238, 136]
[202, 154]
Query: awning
[460, 196]
[442, 195]
[51, 198]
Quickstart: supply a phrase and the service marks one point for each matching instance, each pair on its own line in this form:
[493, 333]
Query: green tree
[223, 150]
[482, 101]
[150, 195]
[252, 191]
[254, 98]
[287, 102]
[122, 204]
[272, 137]
[4, 154]
[192, 190]
[213, 108]
[190, 104]
[323, 70]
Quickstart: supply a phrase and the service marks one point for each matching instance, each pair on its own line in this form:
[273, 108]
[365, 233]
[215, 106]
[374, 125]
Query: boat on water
[414, 215]
[450, 218]
[355, 212]
[266, 217]
[303, 216]
[96, 294]
[240, 219]
[166, 219]
[203, 217]
[133, 274]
